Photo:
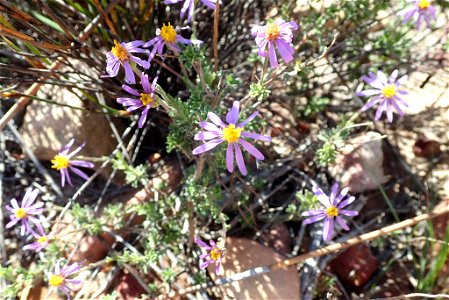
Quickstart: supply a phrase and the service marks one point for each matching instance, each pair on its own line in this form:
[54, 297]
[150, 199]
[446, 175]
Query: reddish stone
[426, 148]
[129, 288]
[355, 266]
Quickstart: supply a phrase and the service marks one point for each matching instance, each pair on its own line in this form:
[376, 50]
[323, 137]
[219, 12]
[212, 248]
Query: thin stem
[216, 16]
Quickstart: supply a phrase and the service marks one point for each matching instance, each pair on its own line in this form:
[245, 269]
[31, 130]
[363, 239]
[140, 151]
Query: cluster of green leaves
[315, 105]
[333, 139]
[86, 219]
[305, 200]
[135, 176]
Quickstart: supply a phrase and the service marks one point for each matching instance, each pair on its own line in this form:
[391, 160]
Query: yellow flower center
[56, 280]
[119, 51]
[168, 33]
[21, 213]
[273, 31]
[232, 134]
[424, 4]
[389, 90]
[216, 253]
[60, 162]
[146, 99]
[42, 240]
[332, 211]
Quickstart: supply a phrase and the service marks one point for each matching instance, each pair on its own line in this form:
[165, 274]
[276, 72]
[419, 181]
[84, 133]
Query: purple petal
[313, 219]
[209, 126]
[249, 119]
[328, 229]
[256, 136]
[284, 50]
[79, 173]
[342, 223]
[205, 264]
[367, 93]
[350, 213]
[200, 136]
[207, 146]
[230, 158]
[215, 119]
[145, 83]
[312, 212]
[272, 55]
[130, 90]
[233, 115]
[202, 244]
[239, 159]
[129, 74]
[82, 163]
[143, 117]
[251, 149]
[145, 64]
[346, 202]
[321, 196]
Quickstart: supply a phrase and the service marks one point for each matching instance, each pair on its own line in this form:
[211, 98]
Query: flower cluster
[29, 212]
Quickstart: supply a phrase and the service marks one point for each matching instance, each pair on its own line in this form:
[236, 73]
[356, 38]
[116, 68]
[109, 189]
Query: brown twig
[216, 18]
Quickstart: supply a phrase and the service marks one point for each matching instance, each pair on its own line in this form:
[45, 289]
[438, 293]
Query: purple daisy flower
[386, 92]
[167, 35]
[333, 209]
[278, 35]
[214, 254]
[62, 162]
[120, 54]
[42, 241]
[218, 132]
[189, 6]
[146, 99]
[26, 212]
[59, 278]
[420, 9]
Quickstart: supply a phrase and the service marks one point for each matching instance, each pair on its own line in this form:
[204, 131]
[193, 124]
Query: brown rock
[359, 166]
[46, 127]
[426, 148]
[244, 254]
[355, 266]
[129, 288]
[278, 237]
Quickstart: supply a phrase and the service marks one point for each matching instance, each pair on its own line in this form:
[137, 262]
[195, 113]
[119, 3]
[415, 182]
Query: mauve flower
[167, 35]
[233, 133]
[26, 212]
[332, 210]
[386, 92]
[419, 9]
[189, 6]
[42, 241]
[214, 254]
[59, 277]
[121, 54]
[278, 35]
[62, 162]
[146, 99]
